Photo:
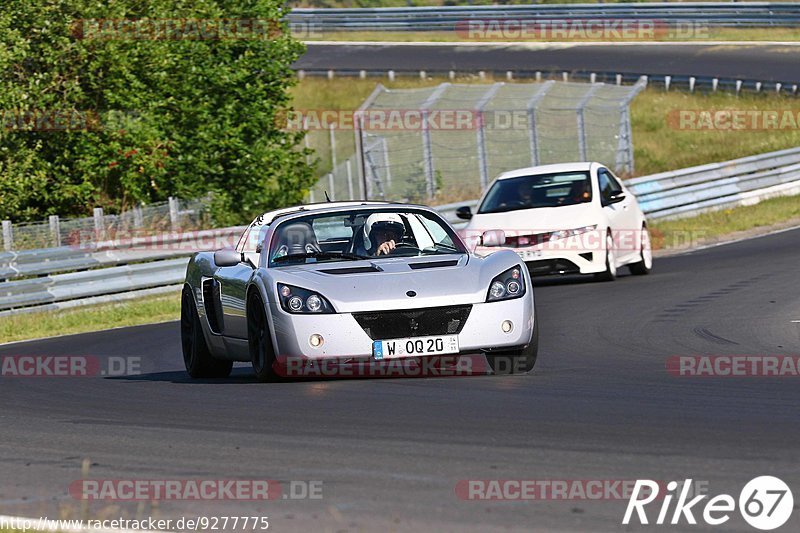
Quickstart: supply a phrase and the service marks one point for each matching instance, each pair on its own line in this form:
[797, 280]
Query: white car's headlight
[566, 233]
[510, 284]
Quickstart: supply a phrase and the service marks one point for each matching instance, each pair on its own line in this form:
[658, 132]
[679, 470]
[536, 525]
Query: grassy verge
[726, 224]
[145, 310]
[709, 34]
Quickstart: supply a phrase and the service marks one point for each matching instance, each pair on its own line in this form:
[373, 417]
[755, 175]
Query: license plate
[529, 255]
[415, 347]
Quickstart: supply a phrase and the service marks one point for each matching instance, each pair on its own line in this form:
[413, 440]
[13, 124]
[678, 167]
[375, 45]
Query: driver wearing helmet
[383, 232]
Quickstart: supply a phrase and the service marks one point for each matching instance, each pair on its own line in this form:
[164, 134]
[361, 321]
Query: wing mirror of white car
[495, 237]
[227, 257]
[464, 212]
[615, 198]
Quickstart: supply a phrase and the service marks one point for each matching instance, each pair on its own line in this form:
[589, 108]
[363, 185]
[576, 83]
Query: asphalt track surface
[599, 406]
[747, 62]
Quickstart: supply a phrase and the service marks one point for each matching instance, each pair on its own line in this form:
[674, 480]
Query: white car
[573, 218]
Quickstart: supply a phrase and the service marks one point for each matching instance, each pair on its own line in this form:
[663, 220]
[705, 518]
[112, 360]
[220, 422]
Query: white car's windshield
[541, 190]
[361, 234]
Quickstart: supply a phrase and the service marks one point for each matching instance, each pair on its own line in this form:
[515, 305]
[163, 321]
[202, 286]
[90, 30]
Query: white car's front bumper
[550, 260]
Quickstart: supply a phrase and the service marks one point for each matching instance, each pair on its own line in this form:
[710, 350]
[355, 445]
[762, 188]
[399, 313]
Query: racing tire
[610, 273]
[262, 354]
[520, 361]
[645, 264]
[196, 356]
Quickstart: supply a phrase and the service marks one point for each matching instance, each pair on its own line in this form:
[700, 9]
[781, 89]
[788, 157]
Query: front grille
[383, 325]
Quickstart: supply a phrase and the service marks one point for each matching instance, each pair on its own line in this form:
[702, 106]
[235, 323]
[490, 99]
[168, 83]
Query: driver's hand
[386, 247]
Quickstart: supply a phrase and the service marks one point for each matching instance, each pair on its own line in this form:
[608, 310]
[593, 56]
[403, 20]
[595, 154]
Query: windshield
[362, 233]
[541, 190]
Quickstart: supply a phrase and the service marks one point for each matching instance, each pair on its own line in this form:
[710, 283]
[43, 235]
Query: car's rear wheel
[645, 264]
[196, 356]
[519, 361]
[610, 273]
[262, 354]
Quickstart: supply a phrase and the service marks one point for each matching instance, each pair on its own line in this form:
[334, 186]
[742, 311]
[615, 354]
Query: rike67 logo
[765, 503]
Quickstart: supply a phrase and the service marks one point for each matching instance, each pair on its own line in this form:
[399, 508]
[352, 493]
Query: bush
[136, 119]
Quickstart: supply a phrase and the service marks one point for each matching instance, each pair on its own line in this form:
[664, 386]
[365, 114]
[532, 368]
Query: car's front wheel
[610, 273]
[196, 356]
[645, 264]
[262, 354]
[519, 361]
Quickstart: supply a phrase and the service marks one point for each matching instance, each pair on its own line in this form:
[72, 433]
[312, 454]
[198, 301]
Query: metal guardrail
[719, 185]
[47, 261]
[733, 14]
[665, 195]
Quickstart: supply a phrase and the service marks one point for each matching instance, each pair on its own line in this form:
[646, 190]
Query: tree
[138, 100]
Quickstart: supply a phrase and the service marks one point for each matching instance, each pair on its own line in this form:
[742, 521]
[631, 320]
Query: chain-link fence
[171, 215]
[446, 143]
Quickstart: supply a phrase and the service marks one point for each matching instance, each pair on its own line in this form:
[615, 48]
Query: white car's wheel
[610, 273]
[645, 264]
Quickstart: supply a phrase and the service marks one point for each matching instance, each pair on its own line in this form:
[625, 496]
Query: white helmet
[382, 222]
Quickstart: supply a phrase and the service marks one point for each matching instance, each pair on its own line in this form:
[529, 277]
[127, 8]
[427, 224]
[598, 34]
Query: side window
[609, 186]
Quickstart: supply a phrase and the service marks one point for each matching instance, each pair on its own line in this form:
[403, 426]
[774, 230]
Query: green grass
[145, 310]
[717, 225]
[659, 145]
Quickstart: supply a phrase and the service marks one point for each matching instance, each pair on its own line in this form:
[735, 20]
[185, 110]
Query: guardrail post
[390, 74]
[348, 166]
[427, 150]
[714, 84]
[138, 220]
[667, 81]
[55, 229]
[533, 130]
[174, 216]
[778, 87]
[332, 192]
[99, 224]
[582, 149]
[358, 132]
[362, 74]
[758, 86]
[738, 86]
[8, 236]
[692, 81]
[483, 164]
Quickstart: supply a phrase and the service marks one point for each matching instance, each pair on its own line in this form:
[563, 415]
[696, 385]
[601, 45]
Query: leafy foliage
[185, 114]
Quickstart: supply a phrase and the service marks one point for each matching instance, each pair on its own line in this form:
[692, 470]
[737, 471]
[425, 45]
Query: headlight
[510, 284]
[565, 233]
[298, 301]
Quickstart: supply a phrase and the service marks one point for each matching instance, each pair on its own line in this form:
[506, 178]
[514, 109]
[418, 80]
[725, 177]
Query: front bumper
[541, 262]
[345, 338]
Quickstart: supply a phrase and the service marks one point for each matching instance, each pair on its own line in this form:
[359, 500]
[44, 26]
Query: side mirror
[615, 198]
[227, 257]
[495, 237]
[464, 212]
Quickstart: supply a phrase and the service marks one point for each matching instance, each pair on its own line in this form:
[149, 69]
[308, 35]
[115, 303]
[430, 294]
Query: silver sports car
[354, 281]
